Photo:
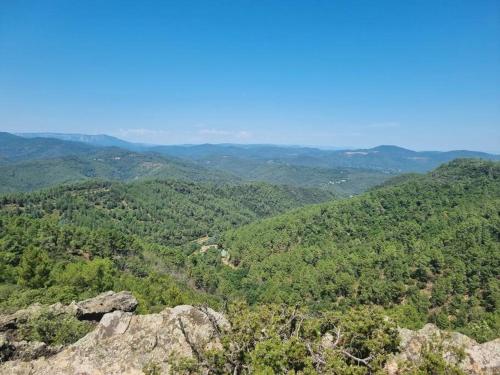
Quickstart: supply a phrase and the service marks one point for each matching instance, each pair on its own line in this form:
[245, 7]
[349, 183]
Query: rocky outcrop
[9, 322]
[123, 343]
[95, 308]
[458, 350]
[12, 344]
[90, 309]
[6, 348]
[10, 349]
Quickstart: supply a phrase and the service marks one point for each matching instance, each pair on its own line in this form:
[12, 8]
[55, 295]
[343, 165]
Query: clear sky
[419, 74]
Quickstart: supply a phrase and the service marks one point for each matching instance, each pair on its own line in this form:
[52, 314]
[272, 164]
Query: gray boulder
[94, 308]
[12, 344]
[459, 350]
[25, 350]
[9, 322]
[124, 343]
[89, 309]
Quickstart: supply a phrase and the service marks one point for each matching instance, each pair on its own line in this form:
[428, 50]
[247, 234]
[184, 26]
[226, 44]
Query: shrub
[53, 328]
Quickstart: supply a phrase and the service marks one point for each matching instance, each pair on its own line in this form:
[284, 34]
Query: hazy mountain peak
[391, 148]
[99, 140]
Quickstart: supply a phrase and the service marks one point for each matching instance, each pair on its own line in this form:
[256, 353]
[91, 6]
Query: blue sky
[420, 74]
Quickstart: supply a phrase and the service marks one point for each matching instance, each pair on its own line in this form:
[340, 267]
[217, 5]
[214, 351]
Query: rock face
[27, 350]
[10, 322]
[14, 347]
[124, 343]
[95, 308]
[459, 350]
[90, 309]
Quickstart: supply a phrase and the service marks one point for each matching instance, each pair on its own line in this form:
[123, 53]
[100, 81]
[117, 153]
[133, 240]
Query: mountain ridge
[99, 140]
[428, 240]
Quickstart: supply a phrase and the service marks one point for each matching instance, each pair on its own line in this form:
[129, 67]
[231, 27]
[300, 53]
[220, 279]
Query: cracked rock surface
[94, 308]
[476, 359]
[123, 343]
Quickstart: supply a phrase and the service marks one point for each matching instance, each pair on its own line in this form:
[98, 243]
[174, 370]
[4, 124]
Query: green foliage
[274, 339]
[185, 366]
[53, 328]
[425, 248]
[152, 368]
[34, 268]
[429, 242]
[156, 291]
[166, 212]
[95, 276]
[46, 262]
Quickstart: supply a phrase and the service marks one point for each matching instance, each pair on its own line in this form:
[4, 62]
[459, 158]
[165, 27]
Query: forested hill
[37, 162]
[72, 242]
[343, 181]
[103, 163]
[164, 211]
[34, 162]
[382, 158]
[14, 148]
[427, 248]
[28, 164]
[99, 140]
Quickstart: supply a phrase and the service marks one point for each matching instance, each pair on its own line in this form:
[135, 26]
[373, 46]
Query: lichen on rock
[123, 343]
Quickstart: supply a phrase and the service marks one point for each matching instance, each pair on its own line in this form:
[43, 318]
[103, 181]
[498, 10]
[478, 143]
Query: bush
[279, 339]
[53, 328]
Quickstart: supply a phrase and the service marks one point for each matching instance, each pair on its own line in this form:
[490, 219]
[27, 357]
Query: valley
[250, 187]
[249, 236]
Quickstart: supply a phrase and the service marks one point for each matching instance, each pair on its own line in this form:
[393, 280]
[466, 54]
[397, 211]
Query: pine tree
[34, 268]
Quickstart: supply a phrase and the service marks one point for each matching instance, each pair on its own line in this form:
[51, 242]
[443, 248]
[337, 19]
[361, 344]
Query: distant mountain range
[14, 148]
[386, 157]
[383, 158]
[36, 160]
[99, 140]
[382, 248]
[28, 164]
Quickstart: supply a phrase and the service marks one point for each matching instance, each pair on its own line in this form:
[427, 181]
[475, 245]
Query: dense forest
[165, 211]
[42, 260]
[106, 164]
[33, 163]
[426, 248]
[277, 187]
[342, 181]
[417, 249]
[381, 158]
[94, 236]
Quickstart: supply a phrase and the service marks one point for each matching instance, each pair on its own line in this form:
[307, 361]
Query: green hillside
[37, 162]
[167, 212]
[107, 164]
[426, 249]
[74, 241]
[44, 260]
[14, 148]
[423, 248]
[122, 165]
[382, 158]
[342, 181]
